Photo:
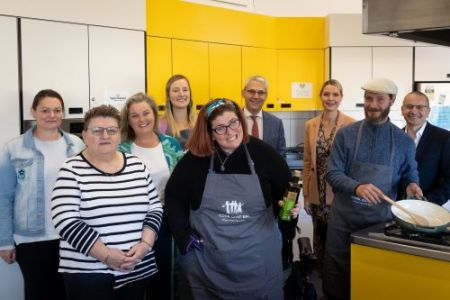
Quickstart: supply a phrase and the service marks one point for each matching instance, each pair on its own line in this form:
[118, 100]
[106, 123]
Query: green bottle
[291, 196]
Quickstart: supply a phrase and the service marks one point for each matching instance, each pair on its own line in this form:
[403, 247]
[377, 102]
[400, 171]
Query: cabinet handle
[93, 99]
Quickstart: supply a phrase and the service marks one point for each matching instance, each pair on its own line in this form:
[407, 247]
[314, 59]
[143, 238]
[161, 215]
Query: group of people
[350, 165]
[101, 213]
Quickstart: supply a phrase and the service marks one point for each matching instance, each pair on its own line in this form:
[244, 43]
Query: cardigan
[310, 187]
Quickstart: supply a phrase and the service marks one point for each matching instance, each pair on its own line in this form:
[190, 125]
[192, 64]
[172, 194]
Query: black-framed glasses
[222, 129]
[253, 92]
[411, 107]
[98, 131]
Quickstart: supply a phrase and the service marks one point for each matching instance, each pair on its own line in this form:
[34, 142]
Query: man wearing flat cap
[368, 158]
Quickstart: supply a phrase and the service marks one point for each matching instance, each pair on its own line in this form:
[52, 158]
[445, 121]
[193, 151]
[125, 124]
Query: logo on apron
[233, 212]
[21, 174]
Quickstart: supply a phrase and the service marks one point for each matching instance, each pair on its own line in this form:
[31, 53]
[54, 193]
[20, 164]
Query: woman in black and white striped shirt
[107, 211]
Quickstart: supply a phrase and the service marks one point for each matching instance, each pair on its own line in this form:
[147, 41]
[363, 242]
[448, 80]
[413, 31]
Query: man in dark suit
[269, 128]
[262, 124]
[432, 148]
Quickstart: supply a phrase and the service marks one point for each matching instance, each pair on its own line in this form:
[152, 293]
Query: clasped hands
[126, 261]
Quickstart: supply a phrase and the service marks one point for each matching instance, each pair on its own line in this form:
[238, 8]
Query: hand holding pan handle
[418, 220]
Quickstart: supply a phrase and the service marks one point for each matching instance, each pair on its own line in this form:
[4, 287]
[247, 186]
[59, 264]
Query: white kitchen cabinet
[9, 80]
[353, 66]
[116, 65]
[55, 56]
[432, 64]
[87, 65]
[11, 283]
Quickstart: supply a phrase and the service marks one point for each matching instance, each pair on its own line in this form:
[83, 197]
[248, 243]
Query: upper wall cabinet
[191, 59]
[87, 65]
[432, 64]
[225, 71]
[299, 67]
[262, 61]
[55, 56]
[116, 64]
[159, 67]
[9, 82]
[353, 66]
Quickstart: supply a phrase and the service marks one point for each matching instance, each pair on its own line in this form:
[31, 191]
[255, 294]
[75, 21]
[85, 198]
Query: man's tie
[255, 130]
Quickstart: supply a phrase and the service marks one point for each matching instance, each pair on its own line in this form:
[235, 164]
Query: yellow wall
[217, 49]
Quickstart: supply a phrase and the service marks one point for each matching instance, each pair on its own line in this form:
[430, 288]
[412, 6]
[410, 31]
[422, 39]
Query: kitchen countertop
[374, 237]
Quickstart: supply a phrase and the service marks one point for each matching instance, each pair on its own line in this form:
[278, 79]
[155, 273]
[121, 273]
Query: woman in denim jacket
[28, 169]
[160, 153]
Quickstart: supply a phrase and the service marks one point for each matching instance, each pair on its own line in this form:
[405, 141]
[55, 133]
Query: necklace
[222, 162]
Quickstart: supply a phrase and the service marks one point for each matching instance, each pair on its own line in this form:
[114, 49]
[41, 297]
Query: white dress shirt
[259, 121]
[419, 133]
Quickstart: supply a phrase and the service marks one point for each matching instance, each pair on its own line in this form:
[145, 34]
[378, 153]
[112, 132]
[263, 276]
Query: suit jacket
[433, 164]
[273, 132]
[310, 187]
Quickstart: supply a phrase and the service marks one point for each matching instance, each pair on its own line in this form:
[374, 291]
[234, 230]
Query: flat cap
[381, 85]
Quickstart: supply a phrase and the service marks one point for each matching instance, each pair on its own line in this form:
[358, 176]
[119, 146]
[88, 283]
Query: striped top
[88, 204]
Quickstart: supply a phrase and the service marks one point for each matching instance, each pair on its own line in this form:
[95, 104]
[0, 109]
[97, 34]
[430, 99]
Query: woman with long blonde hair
[179, 118]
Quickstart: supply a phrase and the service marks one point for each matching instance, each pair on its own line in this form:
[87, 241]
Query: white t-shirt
[156, 162]
[54, 156]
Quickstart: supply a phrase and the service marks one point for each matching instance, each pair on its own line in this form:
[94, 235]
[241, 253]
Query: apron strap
[251, 164]
[358, 140]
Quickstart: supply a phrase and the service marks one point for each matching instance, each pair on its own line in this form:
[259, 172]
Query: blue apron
[241, 258]
[349, 214]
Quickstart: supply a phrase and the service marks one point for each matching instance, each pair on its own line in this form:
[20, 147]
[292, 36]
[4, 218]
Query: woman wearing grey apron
[221, 202]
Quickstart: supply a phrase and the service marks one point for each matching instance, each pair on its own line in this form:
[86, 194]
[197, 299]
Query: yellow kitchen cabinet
[384, 274]
[159, 67]
[300, 66]
[191, 59]
[261, 61]
[225, 71]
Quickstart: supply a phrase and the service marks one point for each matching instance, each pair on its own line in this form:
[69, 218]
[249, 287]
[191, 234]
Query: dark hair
[126, 130]
[200, 142]
[332, 82]
[46, 93]
[105, 111]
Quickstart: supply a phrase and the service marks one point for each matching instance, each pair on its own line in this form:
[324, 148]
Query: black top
[184, 190]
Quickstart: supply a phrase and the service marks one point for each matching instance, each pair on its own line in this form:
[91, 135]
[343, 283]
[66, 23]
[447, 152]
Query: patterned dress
[320, 212]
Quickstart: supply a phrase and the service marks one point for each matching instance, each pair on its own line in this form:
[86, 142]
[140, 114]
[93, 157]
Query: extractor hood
[419, 20]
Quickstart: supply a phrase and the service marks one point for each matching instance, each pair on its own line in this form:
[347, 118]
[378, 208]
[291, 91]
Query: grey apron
[349, 214]
[241, 258]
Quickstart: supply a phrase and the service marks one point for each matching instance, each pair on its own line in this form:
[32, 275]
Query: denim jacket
[22, 186]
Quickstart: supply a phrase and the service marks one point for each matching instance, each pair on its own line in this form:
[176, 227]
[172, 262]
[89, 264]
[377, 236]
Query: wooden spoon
[418, 220]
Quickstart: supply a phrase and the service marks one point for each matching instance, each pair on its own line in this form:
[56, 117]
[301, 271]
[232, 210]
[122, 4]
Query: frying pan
[437, 216]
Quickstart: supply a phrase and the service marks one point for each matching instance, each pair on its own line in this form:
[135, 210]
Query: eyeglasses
[260, 93]
[411, 107]
[222, 129]
[98, 131]
[48, 111]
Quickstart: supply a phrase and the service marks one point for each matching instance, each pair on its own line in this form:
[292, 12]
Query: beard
[377, 116]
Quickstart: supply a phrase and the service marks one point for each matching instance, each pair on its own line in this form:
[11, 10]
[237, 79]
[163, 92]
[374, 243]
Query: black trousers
[161, 285]
[39, 265]
[99, 286]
